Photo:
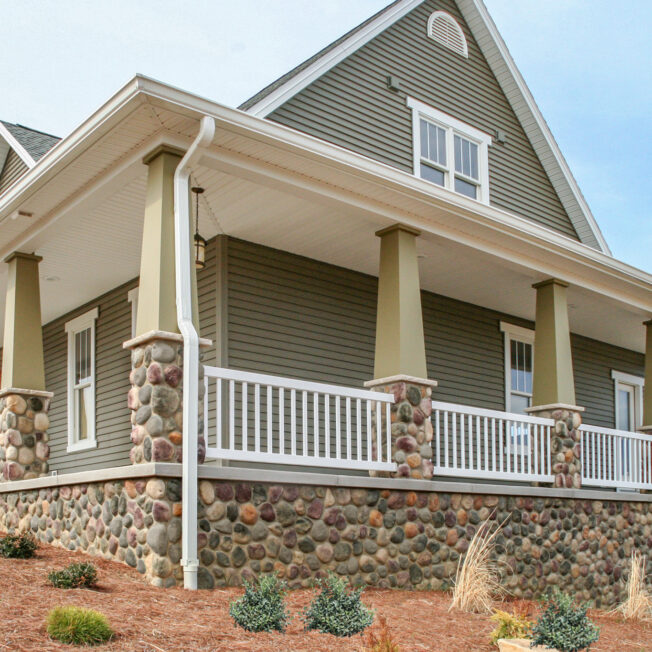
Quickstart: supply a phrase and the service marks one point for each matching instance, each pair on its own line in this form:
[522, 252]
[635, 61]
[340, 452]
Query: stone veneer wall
[386, 538]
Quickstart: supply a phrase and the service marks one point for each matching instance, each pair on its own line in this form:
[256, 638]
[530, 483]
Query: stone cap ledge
[400, 378]
[25, 392]
[555, 406]
[139, 340]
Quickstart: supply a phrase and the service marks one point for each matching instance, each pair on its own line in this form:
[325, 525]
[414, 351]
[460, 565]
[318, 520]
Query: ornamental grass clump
[262, 607]
[509, 625]
[477, 581]
[74, 576]
[78, 626]
[638, 604]
[18, 546]
[564, 625]
[337, 608]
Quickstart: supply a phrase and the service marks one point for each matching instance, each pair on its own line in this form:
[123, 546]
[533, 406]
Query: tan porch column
[647, 390]
[156, 393]
[553, 385]
[400, 356]
[23, 399]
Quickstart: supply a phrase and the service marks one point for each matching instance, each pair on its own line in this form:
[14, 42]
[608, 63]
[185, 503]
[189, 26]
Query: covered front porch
[98, 211]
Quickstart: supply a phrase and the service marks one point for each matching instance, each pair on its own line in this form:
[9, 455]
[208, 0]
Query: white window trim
[638, 383]
[132, 297]
[452, 126]
[520, 334]
[87, 320]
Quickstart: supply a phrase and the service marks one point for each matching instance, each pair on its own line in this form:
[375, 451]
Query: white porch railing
[259, 418]
[476, 443]
[616, 458]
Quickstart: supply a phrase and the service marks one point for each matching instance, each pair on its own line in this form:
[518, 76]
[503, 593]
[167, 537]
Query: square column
[553, 385]
[24, 403]
[647, 390]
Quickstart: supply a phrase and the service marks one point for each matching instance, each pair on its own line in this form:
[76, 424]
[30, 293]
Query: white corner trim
[17, 147]
[83, 321]
[302, 79]
[517, 332]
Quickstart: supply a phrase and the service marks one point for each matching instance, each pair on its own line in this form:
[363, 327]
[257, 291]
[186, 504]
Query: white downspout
[183, 265]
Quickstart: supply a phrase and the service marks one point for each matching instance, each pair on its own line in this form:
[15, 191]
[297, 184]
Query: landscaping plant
[78, 626]
[564, 625]
[74, 576]
[477, 580]
[18, 546]
[638, 604]
[262, 607]
[381, 642]
[509, 625]
[337, 609]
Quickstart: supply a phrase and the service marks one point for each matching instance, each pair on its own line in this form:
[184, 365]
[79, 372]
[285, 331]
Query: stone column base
[565, 442]
[24, 450]
[412, 429]
[156, 398]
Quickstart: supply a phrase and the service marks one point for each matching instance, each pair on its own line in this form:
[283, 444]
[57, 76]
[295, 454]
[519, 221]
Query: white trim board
[510, 80]
[16, 146]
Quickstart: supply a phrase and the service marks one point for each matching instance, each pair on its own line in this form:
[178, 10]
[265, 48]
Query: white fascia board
[302, 79]
[16, 146]
[519, 96]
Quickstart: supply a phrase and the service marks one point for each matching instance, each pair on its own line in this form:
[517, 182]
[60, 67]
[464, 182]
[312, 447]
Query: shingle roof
[295, 71]
[36, 143]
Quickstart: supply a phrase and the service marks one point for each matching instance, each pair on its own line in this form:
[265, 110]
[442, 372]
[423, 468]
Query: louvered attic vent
[444, 29]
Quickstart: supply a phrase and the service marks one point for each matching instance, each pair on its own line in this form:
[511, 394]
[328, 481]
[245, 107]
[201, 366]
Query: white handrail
[494, 414]
[272, 419]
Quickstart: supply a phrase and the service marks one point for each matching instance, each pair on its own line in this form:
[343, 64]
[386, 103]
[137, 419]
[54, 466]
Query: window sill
[81, 446]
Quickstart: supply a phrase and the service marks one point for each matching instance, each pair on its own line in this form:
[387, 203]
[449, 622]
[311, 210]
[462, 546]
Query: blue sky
[587, 62]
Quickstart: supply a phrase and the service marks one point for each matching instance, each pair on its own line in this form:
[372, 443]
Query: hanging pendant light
[200, 242]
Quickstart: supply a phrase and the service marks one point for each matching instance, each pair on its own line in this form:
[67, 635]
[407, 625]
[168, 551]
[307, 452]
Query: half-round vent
[444, 29]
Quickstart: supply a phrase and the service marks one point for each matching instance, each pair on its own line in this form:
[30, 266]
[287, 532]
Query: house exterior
[400, 279]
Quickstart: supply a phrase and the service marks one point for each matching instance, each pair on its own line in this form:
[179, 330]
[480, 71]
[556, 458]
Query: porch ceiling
[88, 207]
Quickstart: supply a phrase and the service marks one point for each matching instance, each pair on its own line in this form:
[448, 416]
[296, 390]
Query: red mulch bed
[149, 619]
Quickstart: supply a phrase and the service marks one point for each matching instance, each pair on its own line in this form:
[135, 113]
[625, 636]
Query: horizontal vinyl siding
[296, 317]
[351, 106]
[13, 169]
[113, 365]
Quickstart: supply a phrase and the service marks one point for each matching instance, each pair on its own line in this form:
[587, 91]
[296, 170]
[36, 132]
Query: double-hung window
[628, 400]
[450, 153]
[519, 366]
[81, 381]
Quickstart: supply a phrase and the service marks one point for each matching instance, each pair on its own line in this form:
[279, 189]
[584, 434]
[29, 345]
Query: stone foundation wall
[384, 538]
[135, 521]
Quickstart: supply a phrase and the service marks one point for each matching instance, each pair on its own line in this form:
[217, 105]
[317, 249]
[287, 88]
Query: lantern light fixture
[199, 241]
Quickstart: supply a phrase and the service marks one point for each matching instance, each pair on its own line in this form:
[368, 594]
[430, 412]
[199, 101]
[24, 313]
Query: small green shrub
[337, 609]
[74, 576]
[78, 626]
[262, 607]
[18, 546]
[509, 626]
[564, 625]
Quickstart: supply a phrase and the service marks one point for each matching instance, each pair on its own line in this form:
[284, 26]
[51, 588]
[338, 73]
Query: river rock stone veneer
[376, 537]
[24, 451]
[412, 429]
[155, 399]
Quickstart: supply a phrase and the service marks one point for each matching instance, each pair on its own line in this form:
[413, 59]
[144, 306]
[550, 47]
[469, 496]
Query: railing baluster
[327, 425]
[388, 431]
[281, 420]
[270, 420]
[446, 455]
[358, 426]
[257, 417]
[232, 414]
[478, 451]
[494, 453]
[369, 431]
[454, 422]
[304, 422]
[486, 444]
[338, 431]
[293, 421]
[437, 440]
[349, 434]
[534, 445]
[462, 443]
[315, 423]
[379, 432]
[218, 410]
[245, 415]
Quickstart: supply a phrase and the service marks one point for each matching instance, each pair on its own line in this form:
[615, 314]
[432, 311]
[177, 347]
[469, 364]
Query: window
[444, 29]
[519, 363]
[628, 401]
[132, 297]
[81, 381]
[449, 153]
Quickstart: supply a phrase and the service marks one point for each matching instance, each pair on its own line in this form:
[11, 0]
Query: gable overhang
[509, 78]
[266, 172]
[15, 144]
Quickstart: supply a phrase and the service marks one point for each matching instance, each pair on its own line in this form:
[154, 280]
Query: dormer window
[450, 153]
[444, 29]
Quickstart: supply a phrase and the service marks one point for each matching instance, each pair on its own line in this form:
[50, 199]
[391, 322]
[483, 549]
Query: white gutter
[183, 266]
